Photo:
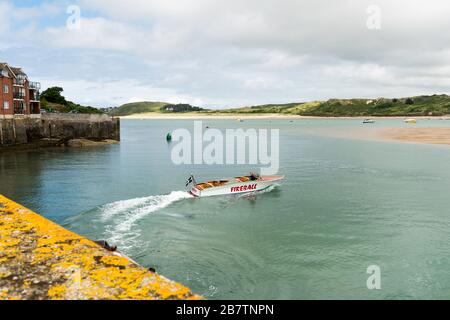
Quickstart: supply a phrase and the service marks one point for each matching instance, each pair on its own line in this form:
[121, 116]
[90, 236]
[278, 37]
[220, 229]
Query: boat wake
[118, 222]
[120, 217]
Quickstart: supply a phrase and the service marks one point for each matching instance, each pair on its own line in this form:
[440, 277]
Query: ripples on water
[346, 204]
[123, 223]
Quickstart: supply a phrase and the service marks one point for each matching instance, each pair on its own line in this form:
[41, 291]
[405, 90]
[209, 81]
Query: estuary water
[347, 203]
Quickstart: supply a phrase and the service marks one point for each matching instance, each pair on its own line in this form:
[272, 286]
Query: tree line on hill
[52, 100]
[181, 107]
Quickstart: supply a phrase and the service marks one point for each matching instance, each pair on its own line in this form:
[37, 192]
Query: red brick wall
[27, 97]
[1, 95]
[6, 96]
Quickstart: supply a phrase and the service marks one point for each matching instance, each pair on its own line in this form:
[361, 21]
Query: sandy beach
[429, 135]
[250, 116]
[438, 135]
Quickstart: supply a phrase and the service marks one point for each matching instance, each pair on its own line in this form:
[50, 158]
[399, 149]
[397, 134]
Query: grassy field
[138, 107]
[434, 105]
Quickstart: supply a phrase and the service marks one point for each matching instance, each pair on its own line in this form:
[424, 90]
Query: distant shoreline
[257, 116]
[413, 134]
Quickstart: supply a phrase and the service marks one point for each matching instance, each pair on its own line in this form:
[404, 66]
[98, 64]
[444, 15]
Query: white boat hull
[237, 187]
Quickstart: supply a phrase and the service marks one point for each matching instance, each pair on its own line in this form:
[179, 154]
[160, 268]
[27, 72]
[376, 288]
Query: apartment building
[18, 95]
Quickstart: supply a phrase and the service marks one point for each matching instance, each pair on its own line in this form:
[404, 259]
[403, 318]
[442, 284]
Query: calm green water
[346, 204]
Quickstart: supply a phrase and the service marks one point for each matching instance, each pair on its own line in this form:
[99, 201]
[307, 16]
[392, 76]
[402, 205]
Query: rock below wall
[83, 143]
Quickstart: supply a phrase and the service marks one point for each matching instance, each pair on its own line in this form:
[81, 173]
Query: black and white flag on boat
[190, 180]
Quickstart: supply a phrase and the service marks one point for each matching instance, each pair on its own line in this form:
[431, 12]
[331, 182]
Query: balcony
[36, 97]
[19, 108]
[19, 82]
[35, 108]
[19, 95]
[35, 85]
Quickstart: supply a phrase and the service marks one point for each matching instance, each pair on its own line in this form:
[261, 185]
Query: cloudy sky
[229, 53]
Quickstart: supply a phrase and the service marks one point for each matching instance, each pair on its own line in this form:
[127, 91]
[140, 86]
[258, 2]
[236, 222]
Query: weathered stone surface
[27, 130]
[41, 260]
[83, 143]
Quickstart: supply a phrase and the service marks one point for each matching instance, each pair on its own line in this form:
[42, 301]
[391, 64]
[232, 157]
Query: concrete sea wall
[54, 129]
[41, 260]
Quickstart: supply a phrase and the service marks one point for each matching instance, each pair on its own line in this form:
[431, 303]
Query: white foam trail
[111, 209]
[126, 213]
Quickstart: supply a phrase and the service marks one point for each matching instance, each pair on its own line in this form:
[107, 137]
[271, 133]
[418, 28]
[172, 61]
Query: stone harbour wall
[41, 260]
[55, 129]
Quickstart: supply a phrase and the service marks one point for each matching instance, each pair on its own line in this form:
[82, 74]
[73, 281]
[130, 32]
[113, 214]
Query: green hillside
[288, 108]
[434, 105]
[138, 107]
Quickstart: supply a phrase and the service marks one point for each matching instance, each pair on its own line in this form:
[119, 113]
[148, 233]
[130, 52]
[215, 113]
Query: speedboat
[368, 121]
[411, 121]
[237, 185]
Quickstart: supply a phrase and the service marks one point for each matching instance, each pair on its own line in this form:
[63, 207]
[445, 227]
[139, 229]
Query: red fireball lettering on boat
[244, 188]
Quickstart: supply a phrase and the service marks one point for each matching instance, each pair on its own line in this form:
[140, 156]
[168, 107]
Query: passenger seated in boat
[254, 176]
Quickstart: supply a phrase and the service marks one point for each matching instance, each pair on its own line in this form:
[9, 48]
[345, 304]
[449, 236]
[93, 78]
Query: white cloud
[112, 93]
[239, 52]
[95, 33]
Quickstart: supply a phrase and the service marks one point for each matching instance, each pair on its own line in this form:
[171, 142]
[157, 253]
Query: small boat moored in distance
[411, 121]
[237, 185]
[368, 121]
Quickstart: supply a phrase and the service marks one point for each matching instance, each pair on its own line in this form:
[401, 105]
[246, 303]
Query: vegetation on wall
[52, 100]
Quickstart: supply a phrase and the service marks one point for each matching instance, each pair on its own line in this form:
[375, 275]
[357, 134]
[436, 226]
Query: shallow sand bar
[440, 135]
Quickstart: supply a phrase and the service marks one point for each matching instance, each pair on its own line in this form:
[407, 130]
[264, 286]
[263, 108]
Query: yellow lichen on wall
[41, 260]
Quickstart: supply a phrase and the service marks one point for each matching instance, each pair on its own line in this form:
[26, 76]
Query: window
[5, 105]
[5, 88]
[5, 73]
